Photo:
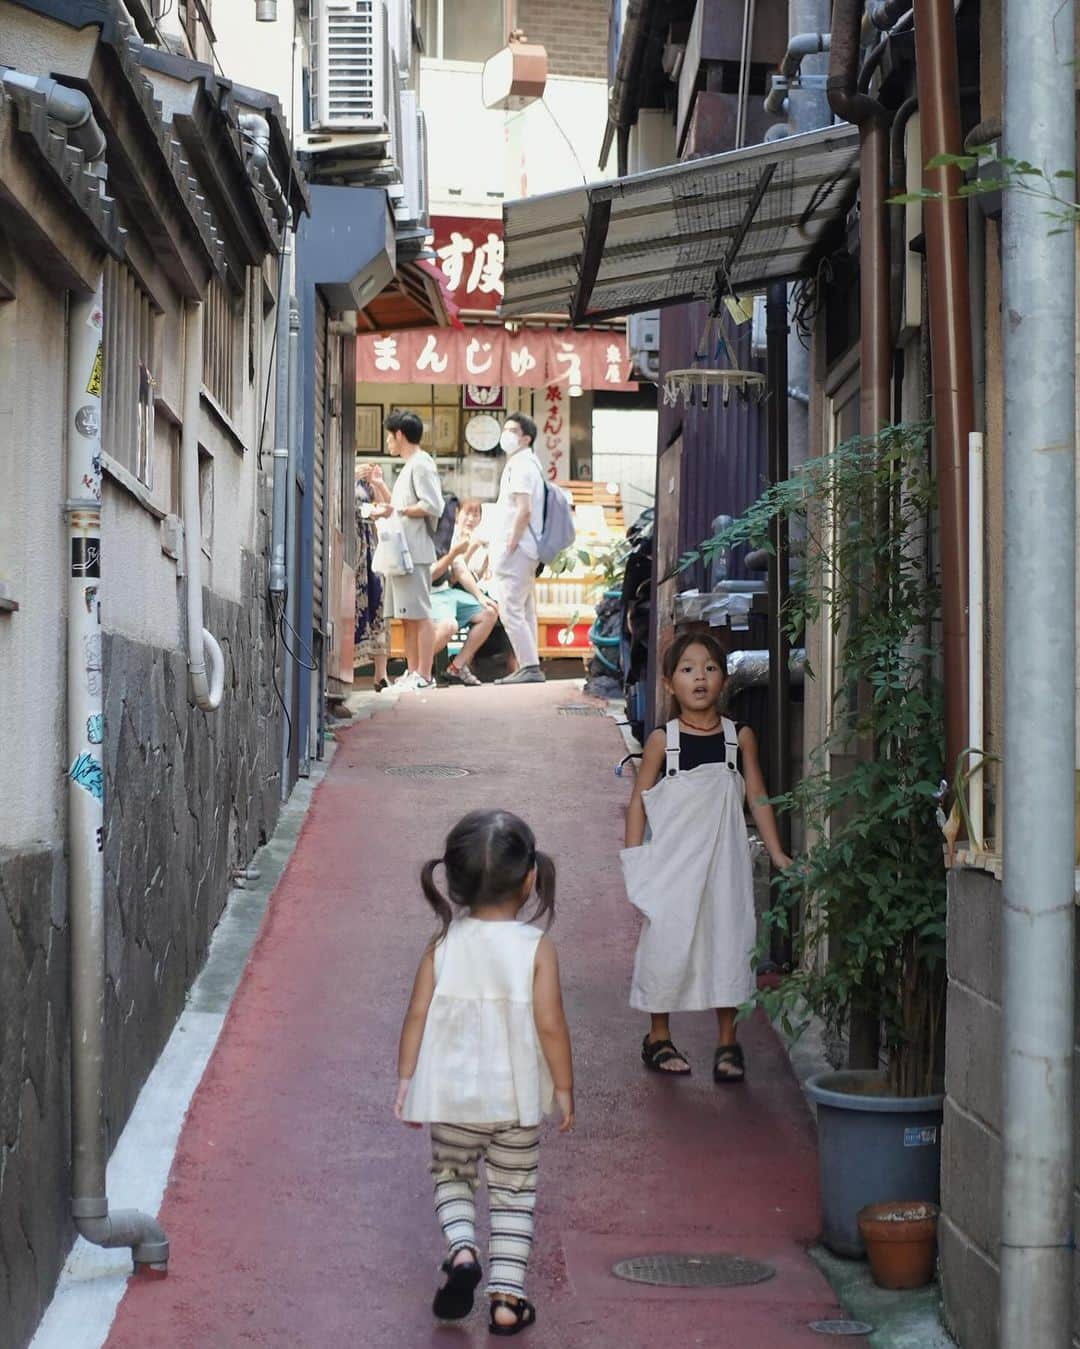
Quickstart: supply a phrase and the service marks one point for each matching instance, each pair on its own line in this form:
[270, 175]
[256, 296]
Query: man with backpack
[520, 543]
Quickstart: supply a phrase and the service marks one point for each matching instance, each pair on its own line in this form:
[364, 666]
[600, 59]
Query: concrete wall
[188, 796]
[970, 1229]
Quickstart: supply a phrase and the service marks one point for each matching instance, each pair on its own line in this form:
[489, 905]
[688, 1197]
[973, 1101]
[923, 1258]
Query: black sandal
[523, 1310]
[655, 1053]
[728, 1057]
[454, 1300]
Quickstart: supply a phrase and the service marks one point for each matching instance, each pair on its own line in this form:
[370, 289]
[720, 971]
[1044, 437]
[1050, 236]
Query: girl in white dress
[692, 880]
[485, 1055]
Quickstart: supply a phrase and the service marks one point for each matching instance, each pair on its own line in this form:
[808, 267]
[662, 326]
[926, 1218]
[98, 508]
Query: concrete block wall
[575, 33]
[970, 1229]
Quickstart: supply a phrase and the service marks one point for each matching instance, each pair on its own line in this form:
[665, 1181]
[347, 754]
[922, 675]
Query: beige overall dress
[693, 883]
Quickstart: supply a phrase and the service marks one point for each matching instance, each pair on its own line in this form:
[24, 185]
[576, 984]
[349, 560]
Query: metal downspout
[281, 417]
[1038, 325]
[292, 524]
[86, 813]
[872, 120]
[937, 76]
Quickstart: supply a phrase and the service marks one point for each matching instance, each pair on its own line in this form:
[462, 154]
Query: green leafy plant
[869, 888]
[995, 172]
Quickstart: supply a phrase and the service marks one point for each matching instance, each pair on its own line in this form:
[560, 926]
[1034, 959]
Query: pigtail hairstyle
[435, 897]
[489, 854]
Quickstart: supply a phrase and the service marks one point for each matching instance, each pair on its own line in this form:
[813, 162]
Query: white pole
[975, 635]
[1038, 327]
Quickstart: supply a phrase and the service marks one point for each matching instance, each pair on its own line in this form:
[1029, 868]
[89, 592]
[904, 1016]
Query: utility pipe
[207, 688]
[281, 414]
[777, 100]
[872, 120]
[749, 7]
[288, 619]
[1038, 326]
[975, 636]
[86, 802]
[897, 182]
[938, 80]
[265, 11]
[71, 107]
[256, 131]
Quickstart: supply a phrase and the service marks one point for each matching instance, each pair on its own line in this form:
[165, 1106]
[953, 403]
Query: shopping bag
[392, 556]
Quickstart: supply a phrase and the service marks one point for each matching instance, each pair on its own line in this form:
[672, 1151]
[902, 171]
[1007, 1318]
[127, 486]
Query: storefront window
[462, 30]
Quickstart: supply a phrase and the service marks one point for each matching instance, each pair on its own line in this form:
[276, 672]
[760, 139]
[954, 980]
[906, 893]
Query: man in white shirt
[417, 503]
[520, 520]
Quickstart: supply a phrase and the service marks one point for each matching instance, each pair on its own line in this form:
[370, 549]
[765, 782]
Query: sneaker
[418, 685]
[461, 675]
[528, 674]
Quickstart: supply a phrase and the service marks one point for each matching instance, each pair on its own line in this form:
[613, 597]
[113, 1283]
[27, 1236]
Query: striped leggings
[510, 1155]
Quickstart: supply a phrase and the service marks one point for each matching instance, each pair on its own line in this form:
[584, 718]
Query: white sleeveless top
[480, 1060]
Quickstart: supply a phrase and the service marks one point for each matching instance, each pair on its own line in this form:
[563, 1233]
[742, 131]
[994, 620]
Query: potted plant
[869, 887]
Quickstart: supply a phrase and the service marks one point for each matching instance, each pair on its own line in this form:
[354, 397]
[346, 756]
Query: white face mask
[509, 441]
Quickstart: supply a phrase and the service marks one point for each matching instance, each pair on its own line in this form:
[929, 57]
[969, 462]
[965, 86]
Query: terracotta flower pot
[900, 1242]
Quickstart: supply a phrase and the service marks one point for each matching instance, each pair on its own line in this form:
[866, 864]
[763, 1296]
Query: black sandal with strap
[655, 1053]
[731, 1059]
[454, 1300]
[522, 1309]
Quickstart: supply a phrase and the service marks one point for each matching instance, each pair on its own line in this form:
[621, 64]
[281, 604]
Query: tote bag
[392, 556]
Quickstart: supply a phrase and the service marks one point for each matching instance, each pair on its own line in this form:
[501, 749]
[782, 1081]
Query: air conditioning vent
[349, 67]
[412, 207]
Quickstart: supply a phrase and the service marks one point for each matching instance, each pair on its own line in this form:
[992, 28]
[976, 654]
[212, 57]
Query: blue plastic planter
[871, 1148]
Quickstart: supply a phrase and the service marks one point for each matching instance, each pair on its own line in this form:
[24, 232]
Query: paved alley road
[299, 1210]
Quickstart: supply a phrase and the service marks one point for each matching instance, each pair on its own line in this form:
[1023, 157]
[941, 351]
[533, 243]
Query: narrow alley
[299, 1211]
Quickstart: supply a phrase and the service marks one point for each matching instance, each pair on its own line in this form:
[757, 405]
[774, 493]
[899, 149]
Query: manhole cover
[693, 1271]
[841, 1328]
[426, 770]
[581, 710]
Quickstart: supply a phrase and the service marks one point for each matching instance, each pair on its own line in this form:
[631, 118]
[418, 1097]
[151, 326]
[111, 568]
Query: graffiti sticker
[85, 556]
[86, 773]
[95, 727]
[87, 421]
[93, 384]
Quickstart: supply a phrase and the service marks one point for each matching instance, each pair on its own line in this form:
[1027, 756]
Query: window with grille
[129, 360]
[223, 344]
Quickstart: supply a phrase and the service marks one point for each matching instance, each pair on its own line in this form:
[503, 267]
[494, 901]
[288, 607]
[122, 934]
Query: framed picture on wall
[369, 432]
[424, 413]
[445, 426]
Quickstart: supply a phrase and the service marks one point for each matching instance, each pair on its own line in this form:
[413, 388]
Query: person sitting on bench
[457, 600]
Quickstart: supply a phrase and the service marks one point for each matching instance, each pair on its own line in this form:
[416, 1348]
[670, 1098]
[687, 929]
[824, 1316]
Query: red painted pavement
[299, 1211]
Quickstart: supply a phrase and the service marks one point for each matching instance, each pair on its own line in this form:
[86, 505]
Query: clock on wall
[482, 433]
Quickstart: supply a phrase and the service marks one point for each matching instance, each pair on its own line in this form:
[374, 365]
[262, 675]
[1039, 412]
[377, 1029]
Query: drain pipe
[872, 120]
[949, 305]
[86, 802]
[70, 107]
[1038, 325]
[281, 413]
[292, 524]
[207, 688]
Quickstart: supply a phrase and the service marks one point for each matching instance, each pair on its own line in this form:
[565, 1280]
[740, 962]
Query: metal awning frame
[596, 205]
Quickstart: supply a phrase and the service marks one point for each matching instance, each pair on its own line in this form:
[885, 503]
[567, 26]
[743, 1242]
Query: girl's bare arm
[552, 1029]
[412, 1029]
[758, 796]
[648, 773]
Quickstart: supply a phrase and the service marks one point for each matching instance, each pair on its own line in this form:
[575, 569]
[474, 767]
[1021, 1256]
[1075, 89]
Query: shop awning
[757, 215]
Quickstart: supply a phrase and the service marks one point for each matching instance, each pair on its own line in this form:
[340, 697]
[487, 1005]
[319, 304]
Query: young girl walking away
[692, 880]
[485, 1054]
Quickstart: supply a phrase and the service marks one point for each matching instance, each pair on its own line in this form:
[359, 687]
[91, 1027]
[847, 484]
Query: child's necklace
[693, 726]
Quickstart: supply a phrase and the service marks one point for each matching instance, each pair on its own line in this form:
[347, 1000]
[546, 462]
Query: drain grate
[581, 710]
[841, 1328]
[693, 1271]
[426, 770]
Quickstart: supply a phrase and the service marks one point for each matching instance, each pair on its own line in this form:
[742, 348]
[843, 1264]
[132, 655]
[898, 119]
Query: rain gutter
[622, 102]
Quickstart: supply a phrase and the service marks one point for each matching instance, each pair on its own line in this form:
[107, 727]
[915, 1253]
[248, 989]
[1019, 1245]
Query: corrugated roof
[660, 237]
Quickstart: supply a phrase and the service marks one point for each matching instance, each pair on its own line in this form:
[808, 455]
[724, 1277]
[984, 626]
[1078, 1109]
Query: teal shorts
[455, 604]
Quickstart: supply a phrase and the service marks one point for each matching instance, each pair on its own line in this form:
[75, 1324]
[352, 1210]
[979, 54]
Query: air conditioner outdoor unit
[350, 72]
[413, 205]
[643, 331]
[399, 15]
